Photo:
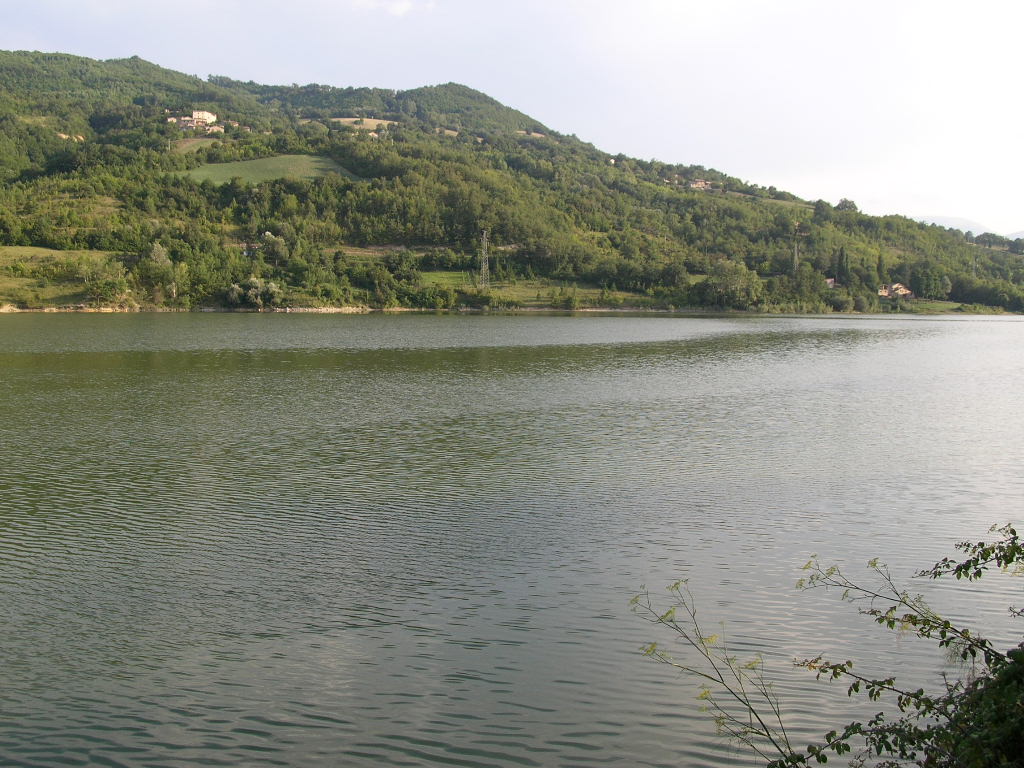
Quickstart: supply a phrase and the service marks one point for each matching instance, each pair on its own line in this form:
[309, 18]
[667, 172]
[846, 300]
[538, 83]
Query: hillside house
[701, 184]
[895, 291]
[204, 121]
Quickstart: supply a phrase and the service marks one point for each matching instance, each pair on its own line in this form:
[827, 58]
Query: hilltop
[128, 184]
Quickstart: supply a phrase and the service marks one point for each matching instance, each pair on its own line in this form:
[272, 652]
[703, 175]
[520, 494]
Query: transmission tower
[485, 267]
[797, 234]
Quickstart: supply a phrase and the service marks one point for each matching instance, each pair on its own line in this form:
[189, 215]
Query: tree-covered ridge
[93, 164]
[452, 106]
[65, 86]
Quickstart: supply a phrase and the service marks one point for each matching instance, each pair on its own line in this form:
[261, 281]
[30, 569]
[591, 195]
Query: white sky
[905, 106]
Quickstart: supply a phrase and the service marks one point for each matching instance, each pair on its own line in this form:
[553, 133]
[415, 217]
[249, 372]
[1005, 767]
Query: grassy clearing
[363, 123]
[545, 293]
[188, 146]
[24, 270]
[771, 200]
[451, 279]
[10, 254]
[269, 168]
[366, 253]
[30, 294]
[936, 307]
[360, 253]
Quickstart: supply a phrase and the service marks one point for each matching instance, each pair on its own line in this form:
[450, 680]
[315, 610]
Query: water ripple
[412, 541]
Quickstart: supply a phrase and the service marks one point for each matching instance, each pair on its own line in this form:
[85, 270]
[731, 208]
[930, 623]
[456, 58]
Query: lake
[303, 540]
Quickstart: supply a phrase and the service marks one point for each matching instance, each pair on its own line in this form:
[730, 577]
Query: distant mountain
[955, 222]
[965, 225]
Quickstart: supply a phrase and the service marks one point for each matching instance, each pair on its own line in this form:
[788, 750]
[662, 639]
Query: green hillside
[282, 202]
[451, 106]
[268, 168]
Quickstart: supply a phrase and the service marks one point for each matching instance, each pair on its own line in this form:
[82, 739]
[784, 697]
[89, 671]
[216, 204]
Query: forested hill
[128, 184]
[451, 106]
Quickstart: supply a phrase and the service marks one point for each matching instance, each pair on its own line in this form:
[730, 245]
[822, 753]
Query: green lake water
[298, 540]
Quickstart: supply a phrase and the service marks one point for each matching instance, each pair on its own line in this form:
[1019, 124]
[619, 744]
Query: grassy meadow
[34, 278]
[363, 123]
[268, 168]
[538, 293]
[188, 146]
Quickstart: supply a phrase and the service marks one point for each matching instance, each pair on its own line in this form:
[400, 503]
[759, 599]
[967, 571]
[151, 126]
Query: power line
[485, 267]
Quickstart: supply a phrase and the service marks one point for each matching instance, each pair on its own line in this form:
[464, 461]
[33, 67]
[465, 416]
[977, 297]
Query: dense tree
[842, 269]
[928, 281]
[730, 285]
[990, 240]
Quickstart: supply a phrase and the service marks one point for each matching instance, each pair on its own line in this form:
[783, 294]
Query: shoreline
[9, 308]
[349, 310]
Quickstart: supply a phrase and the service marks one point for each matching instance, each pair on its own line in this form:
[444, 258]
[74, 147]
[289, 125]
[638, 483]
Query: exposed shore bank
[365, 310]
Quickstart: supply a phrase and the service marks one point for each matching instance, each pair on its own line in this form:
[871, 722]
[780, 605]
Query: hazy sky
[905, 106]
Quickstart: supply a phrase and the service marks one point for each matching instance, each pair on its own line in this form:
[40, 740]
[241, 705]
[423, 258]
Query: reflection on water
[285, 540]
